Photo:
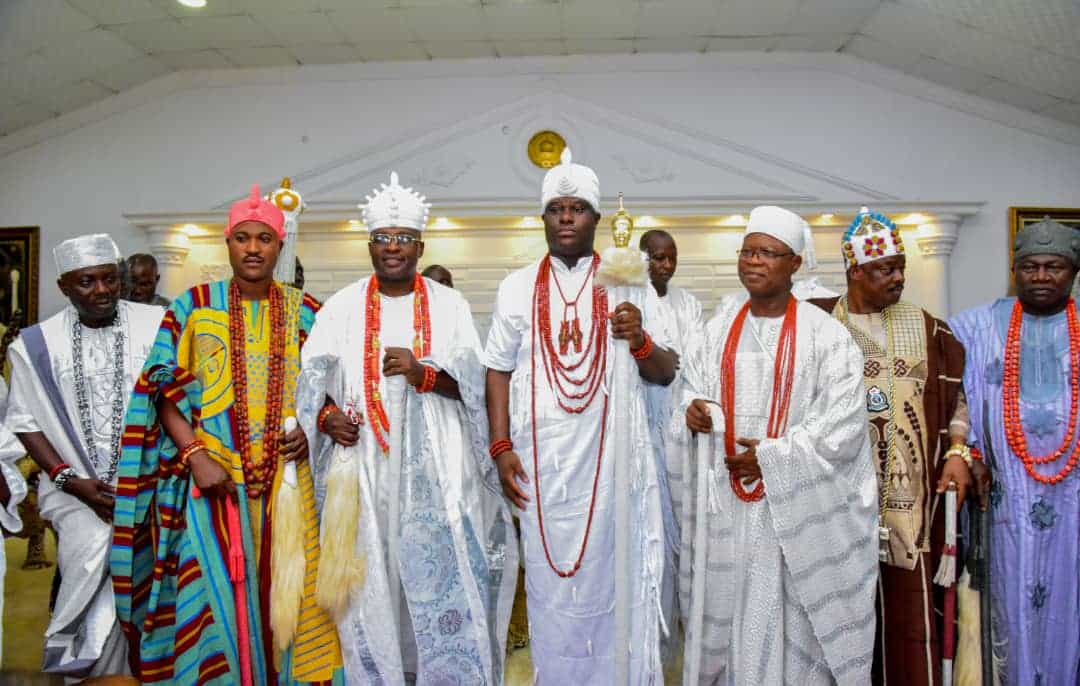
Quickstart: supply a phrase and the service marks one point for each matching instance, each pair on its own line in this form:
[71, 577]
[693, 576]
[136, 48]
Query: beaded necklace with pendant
[559, 374]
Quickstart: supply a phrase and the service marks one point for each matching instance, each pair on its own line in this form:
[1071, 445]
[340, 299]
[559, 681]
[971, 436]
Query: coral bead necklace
[559, 374]
[1010, 399]
[380, 423]
[258, 476]
[780, 404]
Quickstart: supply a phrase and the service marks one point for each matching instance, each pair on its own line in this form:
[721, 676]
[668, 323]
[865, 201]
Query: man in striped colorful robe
[204, 428]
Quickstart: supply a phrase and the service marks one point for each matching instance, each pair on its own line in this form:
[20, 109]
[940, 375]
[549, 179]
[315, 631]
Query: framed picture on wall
[19, 276]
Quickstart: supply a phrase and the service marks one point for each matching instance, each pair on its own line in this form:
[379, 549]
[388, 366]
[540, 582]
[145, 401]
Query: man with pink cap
[204, 431]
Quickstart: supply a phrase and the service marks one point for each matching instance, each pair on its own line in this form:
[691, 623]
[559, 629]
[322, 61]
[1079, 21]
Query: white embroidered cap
[91, 250]
[786, 227]
[870, 237]
[393, 205]
[569, 180]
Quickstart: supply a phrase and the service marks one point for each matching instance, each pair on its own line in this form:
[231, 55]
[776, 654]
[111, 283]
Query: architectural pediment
[481, 162]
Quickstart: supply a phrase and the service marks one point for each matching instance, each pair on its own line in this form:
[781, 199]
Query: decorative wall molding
[704, 160]
[442, 174]
[215, 271]
[647, 172]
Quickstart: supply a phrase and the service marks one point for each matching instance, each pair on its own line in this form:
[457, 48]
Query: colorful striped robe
[173, 592]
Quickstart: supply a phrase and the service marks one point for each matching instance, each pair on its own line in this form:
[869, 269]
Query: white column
[169, 244]
[936, 241]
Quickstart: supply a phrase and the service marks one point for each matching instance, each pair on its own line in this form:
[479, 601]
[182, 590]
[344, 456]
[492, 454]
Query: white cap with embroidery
[569, 180]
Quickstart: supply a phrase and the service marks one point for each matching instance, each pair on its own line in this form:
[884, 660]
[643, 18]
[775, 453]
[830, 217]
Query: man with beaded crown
[918, 427]
[205, 427]
[71, 378]
[1021, 380]
[548, 373]
[779, 554]
[420, 554]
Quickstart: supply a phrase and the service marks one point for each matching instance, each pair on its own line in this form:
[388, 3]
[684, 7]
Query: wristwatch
[962, 451]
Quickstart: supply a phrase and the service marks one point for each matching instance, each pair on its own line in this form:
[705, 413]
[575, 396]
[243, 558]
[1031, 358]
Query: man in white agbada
[682, 310]
[12, 492]
[71, 377]
[548, 384]
[397, 355]
[779, 528]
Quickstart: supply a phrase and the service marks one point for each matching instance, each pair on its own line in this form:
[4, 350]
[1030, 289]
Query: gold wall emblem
[545, 148]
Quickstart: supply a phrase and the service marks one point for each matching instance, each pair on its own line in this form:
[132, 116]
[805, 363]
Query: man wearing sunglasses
[416, 536]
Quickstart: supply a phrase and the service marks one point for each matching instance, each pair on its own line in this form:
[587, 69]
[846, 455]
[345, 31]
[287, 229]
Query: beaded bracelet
[499, 447]
[645, 350]
[189, 450]
[57, 469]
[428, 384]
[324, 414]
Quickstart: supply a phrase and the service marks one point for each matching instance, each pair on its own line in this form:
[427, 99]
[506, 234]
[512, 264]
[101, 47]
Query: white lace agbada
[572, 620]
[83, 637]
[434, 529]
[782, 590]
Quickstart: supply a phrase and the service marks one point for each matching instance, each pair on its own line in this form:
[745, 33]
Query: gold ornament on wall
[545, 147]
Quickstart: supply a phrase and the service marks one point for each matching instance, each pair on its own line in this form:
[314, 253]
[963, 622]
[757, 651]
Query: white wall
[684, 132]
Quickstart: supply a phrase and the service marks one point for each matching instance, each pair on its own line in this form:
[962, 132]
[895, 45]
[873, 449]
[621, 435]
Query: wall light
[734, 220]
[356, 225]
[193, 230]
[530, 223]
[196, 4]
[914, 218]
[443, 223]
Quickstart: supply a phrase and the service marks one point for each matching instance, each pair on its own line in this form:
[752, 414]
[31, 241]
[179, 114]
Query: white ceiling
[59, 55]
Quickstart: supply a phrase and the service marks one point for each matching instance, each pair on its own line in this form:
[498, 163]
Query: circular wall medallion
[545, 148]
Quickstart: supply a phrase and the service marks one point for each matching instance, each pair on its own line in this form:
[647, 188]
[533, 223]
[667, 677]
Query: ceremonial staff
[946, 577]
[287, 561]
[623, 271]
[291, 205]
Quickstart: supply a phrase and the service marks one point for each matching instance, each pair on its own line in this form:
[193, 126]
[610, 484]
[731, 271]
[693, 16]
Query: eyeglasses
[763, 253]
[401, 239]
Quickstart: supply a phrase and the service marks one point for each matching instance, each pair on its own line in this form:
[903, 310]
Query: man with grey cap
[1021, 383]
[71, 376]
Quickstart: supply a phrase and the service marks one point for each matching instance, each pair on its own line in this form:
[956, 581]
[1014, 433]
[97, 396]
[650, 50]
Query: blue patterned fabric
[1035, 546]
